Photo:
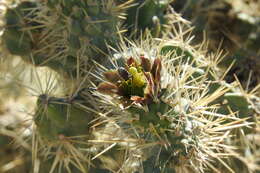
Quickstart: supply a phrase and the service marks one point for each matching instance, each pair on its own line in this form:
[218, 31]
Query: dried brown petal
[150, 87]
[107, 88]
[112, 76]
[156, 70]
[131, 61]
[137, 99]
[146, 64]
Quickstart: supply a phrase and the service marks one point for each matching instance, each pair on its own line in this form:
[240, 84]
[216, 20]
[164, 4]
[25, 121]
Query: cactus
[63, 115]
[70, 129]
[147, 14]
[62, 35]
[142, 86]
[236, 25]
[17, 41]
[147, 105]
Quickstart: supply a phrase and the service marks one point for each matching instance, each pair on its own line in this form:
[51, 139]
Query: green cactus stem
[139, 83]
[17, 41]
[64, 36]
[63, 115]
[147, 14]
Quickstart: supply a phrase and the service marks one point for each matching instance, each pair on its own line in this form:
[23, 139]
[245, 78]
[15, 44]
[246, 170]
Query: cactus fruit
[142, 86]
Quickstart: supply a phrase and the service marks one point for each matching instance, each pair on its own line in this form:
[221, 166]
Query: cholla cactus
[62, 35]
[160, 106]
[246, 139]
[62, 131]
[236, 25]
[148, 14]
[161, 97]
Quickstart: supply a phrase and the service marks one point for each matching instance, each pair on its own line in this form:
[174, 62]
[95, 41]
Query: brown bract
[139, 82]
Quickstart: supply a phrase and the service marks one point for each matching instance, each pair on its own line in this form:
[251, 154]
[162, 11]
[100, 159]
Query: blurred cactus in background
[234, 24]
[62, 35]
[147, 14]
[121, 86]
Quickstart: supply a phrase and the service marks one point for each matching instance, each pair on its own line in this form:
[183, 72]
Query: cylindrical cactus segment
[91, 24]
[165, 94]
[185, 54]
[147, 14]
[23, 33]
[61, 116]
[138, 88]
[15, 38]
[17, 42]
[49, 33]
[238, 103]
